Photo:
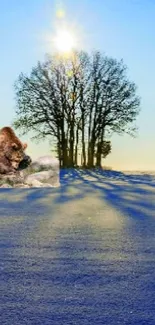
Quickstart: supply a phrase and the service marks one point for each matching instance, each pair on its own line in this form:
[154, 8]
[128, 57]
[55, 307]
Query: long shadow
[15, 202]
[125, 192]
[23, 201]
[132, 195]
[128, 196]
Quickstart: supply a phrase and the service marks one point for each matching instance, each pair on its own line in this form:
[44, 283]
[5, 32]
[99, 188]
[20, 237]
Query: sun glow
[64, 41]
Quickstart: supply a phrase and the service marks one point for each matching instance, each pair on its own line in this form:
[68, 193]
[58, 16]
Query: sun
[64, 41]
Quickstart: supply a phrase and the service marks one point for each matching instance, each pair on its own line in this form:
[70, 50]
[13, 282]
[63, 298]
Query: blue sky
[120, 28]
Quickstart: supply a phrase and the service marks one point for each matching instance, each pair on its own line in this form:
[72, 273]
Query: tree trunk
[99, 150]
[71, 149]
[83, 154]
[91, 151]
[76, 146]
[64, 153]
[83, 142]
[98, 154]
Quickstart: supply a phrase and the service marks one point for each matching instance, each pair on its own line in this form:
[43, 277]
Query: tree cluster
[77, 101]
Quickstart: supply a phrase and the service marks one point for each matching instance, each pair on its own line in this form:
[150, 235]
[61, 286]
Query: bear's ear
[24, 146]
[14, 146]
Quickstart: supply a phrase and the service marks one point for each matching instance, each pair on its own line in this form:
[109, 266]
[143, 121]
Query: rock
[5, 185]
[43, 163]
[47, 162]
[11, 179]
[35, 183]
[21, 186]
[43, 172]
[43, 177]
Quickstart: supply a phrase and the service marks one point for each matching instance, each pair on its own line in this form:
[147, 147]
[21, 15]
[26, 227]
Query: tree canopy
[77, 101]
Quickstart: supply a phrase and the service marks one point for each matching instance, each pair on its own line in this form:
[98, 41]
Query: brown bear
[11, 151]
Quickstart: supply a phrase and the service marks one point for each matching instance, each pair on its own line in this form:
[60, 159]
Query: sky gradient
[120, 28]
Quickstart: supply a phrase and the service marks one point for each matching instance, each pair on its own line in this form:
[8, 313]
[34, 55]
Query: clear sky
[120, 28]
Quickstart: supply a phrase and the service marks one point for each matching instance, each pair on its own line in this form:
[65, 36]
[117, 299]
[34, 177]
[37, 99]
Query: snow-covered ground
[80, 254]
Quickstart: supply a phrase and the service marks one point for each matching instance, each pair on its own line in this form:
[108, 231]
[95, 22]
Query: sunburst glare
[66, 35]
[64, 41]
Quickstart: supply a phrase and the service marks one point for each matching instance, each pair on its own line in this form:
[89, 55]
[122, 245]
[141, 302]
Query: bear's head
[15, 153]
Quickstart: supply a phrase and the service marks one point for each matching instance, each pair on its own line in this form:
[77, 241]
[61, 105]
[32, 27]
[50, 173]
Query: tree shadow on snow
[132, 194]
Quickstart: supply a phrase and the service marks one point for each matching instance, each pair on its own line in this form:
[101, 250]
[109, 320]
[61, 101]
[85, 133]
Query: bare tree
[76, 102]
